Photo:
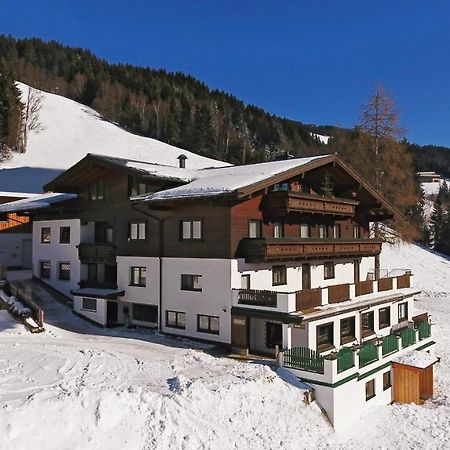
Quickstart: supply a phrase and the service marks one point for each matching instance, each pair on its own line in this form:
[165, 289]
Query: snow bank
[415, 358]
[15, 305]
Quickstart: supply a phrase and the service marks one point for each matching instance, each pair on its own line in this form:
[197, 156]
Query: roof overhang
[268, 315]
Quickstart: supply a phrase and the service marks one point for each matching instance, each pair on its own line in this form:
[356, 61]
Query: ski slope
[70, 130]
[78, 386]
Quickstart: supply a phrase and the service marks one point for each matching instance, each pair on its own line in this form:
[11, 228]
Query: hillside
[89, 388]
[70, 130]
[171, 107]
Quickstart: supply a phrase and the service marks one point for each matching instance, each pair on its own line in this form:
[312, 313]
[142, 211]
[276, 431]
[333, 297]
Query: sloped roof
[226, 180]
[39, 201]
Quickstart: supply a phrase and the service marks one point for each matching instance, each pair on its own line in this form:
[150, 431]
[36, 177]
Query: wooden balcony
[338, 293]
[284, 202]
[363, 287]
[255, 297]
[308, 298]
[96, 253]
[266, 249]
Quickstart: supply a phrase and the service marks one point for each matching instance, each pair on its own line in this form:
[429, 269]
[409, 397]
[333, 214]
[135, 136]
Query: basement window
[145, 313]
[208, 324]
[176, 319]
[370, 389]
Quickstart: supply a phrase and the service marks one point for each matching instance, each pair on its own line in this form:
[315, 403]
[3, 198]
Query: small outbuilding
[413, 377]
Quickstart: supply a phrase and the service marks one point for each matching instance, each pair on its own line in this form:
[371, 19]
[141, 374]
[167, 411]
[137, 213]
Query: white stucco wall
[261, 274]
[214, 300]
[56, 252]
[99, 316]
[11, 248]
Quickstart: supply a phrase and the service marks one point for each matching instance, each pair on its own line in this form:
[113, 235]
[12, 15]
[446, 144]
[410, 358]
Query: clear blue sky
[313, 61]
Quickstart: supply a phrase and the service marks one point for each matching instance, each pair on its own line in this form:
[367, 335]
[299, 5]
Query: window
[387, 380]
[92, 272]
[325, 337]
[191, 229]
[136, 187]
[384, 317]
[176, 319]
[403, 312]
[328, 269]
[347, 330]
[245, 281]
[336, 231]
[64, 235]
[255, 228]
[45, 269]
[208, 324]
[137, 231]
[367, 324]
[280, 187]
[46, 235]
[191, 283]
[138, 276]
[323, 231]
[3, 217]
[274, 335]
[278, 275]
[278, 231]
[97, 191]
[89, 304]
[145, 313]
[64, 271]
[356, 232]
[304, 230]
[103, 233]
[370, 389]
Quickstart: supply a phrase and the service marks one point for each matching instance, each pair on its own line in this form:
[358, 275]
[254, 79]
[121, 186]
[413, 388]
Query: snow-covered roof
[38, 201]
[98, 292]
[415, 358]
[9, 194]
[226, 180]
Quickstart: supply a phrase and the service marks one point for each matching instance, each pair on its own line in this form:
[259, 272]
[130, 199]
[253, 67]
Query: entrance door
[239, 332]
[356, 271]
[306, 276]
[26, 254]
[111, 313]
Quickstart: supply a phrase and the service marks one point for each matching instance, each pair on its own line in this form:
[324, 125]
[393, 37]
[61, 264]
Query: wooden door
[306, 276]
[239, 332]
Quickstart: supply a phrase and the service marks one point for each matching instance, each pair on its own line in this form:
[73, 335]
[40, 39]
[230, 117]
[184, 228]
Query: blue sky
[313, 61]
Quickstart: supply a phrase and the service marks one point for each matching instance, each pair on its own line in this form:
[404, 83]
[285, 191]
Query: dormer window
[97, 191]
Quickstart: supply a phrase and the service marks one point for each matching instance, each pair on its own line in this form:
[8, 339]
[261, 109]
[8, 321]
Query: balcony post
[352, 291]
[394, 283]
[324, 292]
[375, 286]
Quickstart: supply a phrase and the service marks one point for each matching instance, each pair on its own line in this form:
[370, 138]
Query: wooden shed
[413, 377]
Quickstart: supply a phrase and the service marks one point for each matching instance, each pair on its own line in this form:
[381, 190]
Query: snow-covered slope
[70, 130]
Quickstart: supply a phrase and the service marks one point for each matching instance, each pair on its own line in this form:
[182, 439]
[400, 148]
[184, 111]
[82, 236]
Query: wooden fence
[256, 297]
[304, 359]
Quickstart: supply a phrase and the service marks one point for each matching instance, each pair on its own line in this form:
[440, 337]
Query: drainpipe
[161, 252]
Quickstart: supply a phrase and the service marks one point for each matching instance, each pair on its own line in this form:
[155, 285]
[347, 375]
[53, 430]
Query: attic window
[97, 191]
[182, 161]
[136, 186]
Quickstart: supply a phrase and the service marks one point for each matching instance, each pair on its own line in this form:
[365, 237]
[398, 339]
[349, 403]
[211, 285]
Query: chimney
[182, 161]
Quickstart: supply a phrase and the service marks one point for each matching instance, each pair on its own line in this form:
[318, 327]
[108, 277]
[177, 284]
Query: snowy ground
[84, 390]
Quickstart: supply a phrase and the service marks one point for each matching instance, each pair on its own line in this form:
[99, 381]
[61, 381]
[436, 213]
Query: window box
[191, 283]
[208, 324]
[176, 319]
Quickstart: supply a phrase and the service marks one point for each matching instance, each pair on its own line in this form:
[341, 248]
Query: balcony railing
[284, 202]
[336, 366]
[95, 253]
[310, 298]
[266, 249]
[257, 298]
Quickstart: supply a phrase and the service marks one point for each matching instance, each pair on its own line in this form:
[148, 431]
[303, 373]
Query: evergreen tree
[437, 222]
